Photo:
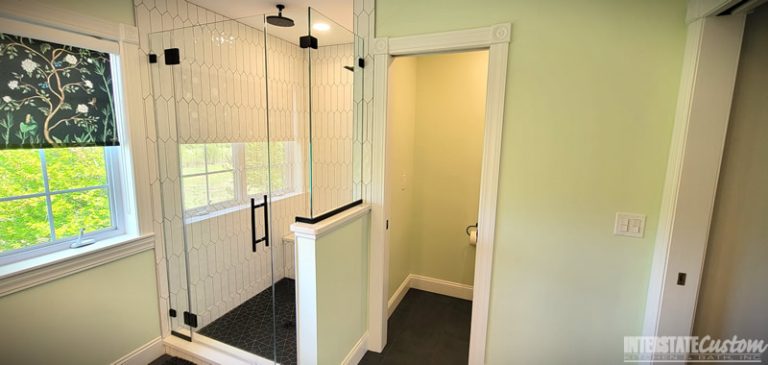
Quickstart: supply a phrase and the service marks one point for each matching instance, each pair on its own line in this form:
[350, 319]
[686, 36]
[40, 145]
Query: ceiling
[337, 14]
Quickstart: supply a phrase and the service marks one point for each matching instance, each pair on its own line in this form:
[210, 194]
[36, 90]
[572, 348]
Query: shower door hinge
[386, 225]
[361, 62]
[308, 41]
[190, 319]
[172, 56]
[172, 312]
[152, 58]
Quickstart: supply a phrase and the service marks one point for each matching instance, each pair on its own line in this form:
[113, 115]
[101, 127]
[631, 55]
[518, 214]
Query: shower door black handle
[265, 238]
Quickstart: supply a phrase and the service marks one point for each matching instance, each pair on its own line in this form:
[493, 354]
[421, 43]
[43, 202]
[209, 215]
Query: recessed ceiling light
[321, 27]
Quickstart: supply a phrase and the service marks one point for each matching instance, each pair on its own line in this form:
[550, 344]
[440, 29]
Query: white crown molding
[67, 20]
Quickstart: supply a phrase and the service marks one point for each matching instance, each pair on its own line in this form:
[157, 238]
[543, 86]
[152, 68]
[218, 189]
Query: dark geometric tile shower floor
[249, 326]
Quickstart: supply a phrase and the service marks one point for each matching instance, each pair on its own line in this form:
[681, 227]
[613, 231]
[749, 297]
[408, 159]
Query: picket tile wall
[216, 95]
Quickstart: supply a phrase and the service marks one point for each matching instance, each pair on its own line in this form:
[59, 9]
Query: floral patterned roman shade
[54, 95]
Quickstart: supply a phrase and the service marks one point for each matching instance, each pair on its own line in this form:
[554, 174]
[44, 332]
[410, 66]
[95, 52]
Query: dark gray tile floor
[249, 326]
[170, 360]
[426, 328]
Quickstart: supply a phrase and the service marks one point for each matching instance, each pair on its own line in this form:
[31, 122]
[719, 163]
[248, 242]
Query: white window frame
[114, 189]
[121, 180]
[289, 188]
[240, 186]
[209, 208]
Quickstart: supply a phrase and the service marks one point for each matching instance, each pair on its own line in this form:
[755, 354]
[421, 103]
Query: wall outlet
[629, 224]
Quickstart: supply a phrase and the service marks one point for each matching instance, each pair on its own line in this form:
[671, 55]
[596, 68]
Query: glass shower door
[335, 117]
[213, 144]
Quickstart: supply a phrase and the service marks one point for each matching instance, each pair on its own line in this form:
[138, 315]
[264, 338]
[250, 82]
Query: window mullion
[240, 171]
[46, 186]
[109, 170]
[207, 186]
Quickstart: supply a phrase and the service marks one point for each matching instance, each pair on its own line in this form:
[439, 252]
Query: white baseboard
[432, 285]
[444, 287]
[357, 353]
[398, 296]
[144, 354]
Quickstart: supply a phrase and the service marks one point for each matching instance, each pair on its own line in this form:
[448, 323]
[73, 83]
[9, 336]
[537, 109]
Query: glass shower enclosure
[257, 127]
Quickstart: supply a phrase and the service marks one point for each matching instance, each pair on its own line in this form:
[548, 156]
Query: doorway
[435, 127]
[495, 39]
[732, 297]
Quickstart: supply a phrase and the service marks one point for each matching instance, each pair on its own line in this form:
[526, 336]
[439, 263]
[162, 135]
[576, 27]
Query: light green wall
[590, 100]
[436, 114]
[450, 107]
[733, 296]
[119, 11]
[342, 290]
[92, 317]
[401, 129]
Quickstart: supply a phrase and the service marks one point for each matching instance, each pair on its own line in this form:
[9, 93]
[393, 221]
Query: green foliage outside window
[24, 222]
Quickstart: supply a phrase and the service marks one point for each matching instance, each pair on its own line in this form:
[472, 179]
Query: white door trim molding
[704, 103]
[496, 40]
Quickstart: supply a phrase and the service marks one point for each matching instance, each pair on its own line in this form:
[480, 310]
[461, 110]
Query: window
[59, 148]
[207, 175]
[50, 195]
[221, 175]
[281, 159]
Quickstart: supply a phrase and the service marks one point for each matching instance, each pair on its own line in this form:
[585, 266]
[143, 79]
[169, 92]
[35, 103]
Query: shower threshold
[249, 326]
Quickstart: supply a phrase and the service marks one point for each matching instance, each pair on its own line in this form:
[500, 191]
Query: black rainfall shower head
[279, 20]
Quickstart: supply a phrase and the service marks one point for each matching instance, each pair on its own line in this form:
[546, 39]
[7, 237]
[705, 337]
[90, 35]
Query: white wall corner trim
[379, 241]
[26, 274]
[144, 354]
[698, 138]
[496, 39]
[357, 352]
[308, 278]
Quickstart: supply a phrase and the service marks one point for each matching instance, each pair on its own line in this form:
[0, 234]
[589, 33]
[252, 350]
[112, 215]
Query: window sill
[219, 212]
[35, 271]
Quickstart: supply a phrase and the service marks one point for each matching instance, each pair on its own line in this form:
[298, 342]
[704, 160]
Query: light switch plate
[629, 224]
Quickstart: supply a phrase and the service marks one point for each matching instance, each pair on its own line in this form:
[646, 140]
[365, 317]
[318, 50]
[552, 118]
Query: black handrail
[264, 239]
